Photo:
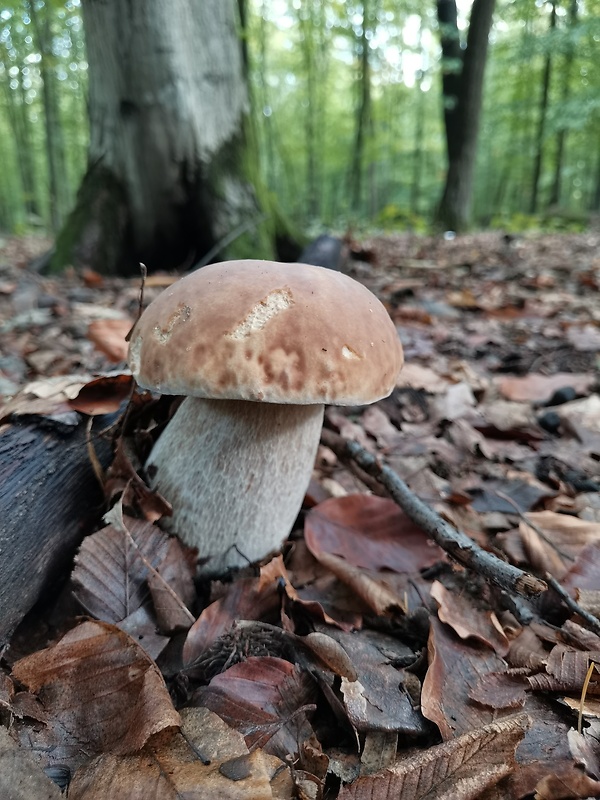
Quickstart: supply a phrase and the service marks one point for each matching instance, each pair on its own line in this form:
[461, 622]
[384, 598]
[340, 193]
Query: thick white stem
[236, 473]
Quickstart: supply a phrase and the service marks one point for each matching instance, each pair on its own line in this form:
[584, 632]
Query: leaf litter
[364, 662]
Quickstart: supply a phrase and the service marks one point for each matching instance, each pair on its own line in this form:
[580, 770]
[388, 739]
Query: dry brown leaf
[370, 532]
[461, 769]
[454, 670]
[112, 568]
[206, 760]
[554, 787]
[20, 777]
[103, 395]
[467, 621]
[418, 376]
[377, 423]
[457, 402]
[537, 388]
[100, 690]
[46, 397]
[371, 589]
[108, 336]
[245, 599]
[266, 699]
[383, 697]
[564, 537]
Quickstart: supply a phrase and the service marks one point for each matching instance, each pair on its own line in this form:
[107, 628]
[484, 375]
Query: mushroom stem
[235, 473]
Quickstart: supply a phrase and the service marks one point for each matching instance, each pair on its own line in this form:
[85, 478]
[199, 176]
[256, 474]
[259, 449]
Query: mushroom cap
[270, 332]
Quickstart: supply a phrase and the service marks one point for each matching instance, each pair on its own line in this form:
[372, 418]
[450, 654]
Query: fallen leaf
[104, 395]
[103, 694]
[454, 669]
[537, 388]
[112, 567]
[207, 759]
[462, 769]
[108, 336]
[245, 599]
[370, 532]
[263, 698]
[459, 612]
[20, 777]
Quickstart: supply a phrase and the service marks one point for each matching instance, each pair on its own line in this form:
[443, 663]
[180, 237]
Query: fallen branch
[457, 544]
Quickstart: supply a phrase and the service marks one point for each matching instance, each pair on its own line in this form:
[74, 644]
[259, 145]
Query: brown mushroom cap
[270, 332]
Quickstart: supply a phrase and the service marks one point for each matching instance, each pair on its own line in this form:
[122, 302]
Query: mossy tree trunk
[171, 172]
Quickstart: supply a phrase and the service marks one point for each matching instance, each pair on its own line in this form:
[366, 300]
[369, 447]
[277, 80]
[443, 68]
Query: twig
[592, 622]
[457, 544]
[144, 275]
[533, 526]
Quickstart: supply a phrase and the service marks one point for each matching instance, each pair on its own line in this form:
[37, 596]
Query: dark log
[50, 498]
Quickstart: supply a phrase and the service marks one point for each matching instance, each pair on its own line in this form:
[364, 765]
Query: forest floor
[365, 662]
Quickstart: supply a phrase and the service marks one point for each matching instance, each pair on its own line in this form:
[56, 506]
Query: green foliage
[394, 218]
[306, 77]
[535, 223]
[24, 179]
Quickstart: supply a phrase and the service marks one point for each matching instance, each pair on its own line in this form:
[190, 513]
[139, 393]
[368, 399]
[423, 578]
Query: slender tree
[364, 110]
[55, 148]
[15, 49]
[171, 171]
[417, 155]
[566, 79]
[542, 118]
[463, 70]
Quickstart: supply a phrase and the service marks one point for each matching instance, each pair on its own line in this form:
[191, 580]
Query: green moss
[96, 233]
[237, 163]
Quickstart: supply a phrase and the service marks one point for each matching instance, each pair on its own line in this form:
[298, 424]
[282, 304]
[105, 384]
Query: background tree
[566, 81]
[42, 20]
[170, 171]
[542, 114]
[462, 81]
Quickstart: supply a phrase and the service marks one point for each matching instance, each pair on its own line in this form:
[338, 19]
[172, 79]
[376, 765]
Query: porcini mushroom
[258, 348]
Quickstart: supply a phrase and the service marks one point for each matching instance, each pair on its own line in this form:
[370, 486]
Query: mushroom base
[235, 473]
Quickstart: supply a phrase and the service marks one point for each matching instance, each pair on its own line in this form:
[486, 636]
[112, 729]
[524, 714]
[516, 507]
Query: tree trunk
[417, 154]
[462, 84]
[541, 126]
[24, 202]
[170, 171]
[594, 205]
[55, 149]
[364, 119]
[561, 135]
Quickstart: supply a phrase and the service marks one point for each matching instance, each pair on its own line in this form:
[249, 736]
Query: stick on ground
[457, 544]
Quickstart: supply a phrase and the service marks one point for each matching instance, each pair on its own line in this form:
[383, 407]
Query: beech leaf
[100, 688]
[462, 769]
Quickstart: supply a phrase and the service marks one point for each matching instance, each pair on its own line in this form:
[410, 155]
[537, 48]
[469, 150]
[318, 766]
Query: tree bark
[171, 171]
[55, 148]
[364, 118]
[541, 126]
[561, 135]
[20, 125]
[462, 85]
[49, 498]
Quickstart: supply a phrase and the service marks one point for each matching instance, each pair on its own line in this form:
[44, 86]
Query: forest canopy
[347, 101]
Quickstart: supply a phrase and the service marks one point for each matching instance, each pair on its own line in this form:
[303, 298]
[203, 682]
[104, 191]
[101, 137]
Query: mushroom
[258, 348]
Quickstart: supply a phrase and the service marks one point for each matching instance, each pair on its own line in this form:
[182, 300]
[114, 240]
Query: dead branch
[457, 544]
